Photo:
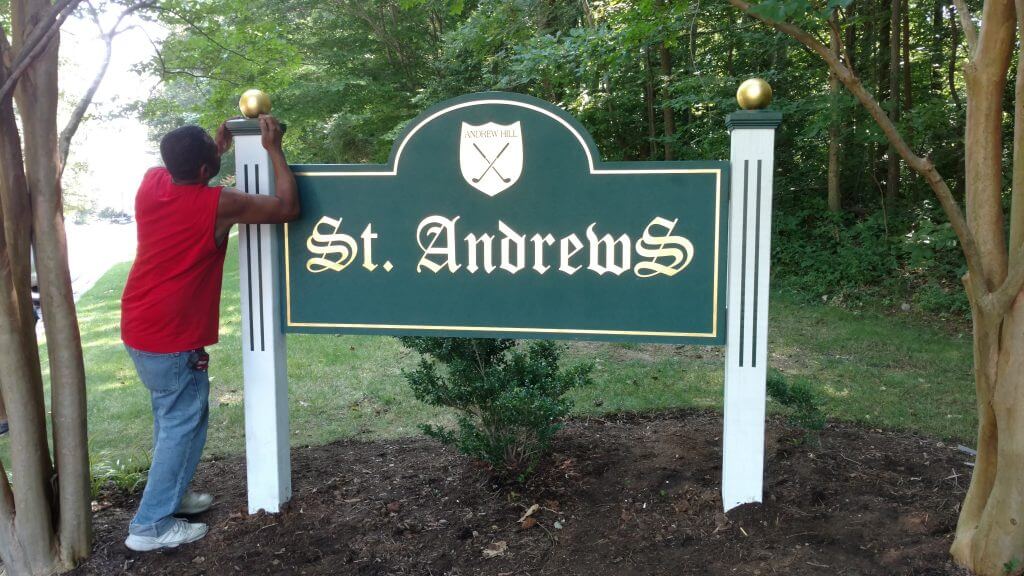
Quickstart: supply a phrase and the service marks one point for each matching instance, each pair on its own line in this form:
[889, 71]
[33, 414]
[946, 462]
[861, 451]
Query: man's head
[190, 155]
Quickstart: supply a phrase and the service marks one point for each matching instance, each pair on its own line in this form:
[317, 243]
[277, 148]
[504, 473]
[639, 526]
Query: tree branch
[40, 29]
[35, 44]
[68, 133]
[205, 34]
[970, 31]
[923, 166]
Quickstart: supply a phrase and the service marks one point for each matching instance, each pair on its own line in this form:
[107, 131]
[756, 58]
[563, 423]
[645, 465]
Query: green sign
[495, 217]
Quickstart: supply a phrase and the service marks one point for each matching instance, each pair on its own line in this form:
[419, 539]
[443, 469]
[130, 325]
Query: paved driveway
[94, 248]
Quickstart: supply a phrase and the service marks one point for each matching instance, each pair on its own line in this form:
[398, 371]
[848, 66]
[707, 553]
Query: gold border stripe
[502, 329]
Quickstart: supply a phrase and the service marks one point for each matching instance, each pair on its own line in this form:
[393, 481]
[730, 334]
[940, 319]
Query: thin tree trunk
[908, 92]
[851, 34]
[883, 16]
[835, 199]
[666, 96]
[937, 44]
[892, 181]
[730, 69]
[652, 128]
[78, 114]
[951, 65]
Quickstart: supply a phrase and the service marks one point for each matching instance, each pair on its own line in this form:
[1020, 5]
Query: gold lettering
[678, 248]
[334, 251]
[368, 237]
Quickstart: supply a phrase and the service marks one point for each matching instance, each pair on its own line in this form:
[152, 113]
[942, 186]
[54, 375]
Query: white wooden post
[750, 219]
[264, 364]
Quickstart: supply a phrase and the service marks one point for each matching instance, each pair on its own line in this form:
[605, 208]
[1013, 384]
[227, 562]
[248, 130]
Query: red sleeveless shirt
[171, 302]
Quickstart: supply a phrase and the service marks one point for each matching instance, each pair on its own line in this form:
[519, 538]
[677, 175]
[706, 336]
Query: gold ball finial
[253, 103]
[754, 94]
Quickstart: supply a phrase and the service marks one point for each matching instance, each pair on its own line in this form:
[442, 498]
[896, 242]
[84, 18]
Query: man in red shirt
[170, 310]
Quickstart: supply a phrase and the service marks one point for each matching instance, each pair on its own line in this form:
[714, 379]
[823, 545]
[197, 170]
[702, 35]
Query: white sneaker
[194, 503]
[180, 533]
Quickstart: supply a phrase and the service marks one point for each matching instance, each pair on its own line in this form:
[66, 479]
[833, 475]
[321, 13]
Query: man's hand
[223, 139]
[271, 132]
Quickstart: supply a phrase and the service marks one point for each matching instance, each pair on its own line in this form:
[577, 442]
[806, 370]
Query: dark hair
[185, 150]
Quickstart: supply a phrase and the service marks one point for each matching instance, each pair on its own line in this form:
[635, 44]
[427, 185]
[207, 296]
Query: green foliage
[510, 401]
[348, 75]
[797, 396]
[852, 260]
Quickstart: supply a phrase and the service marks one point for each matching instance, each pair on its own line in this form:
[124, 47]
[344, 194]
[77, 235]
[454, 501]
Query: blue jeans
[180, 397]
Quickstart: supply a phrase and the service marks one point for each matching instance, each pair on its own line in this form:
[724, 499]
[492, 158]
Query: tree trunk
[851, 34]
[652, 127]
[990, 530]
[937, 44]
[884, 92]
[26, 527]
[951, 65]
[892, 180]
[666, 95]
[835, 199]
[37, 104]
[26, 532]
[53, 531]
[908, 92]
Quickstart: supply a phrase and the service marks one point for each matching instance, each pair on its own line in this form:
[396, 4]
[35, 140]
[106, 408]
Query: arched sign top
[462, 103]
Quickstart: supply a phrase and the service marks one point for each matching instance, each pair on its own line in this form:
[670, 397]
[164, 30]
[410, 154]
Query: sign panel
[495, 217]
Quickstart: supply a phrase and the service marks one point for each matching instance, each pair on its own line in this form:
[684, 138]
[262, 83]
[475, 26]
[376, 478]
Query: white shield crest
[491, 156]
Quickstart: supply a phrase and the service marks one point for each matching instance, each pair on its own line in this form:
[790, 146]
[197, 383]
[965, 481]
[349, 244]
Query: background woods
[650, 79]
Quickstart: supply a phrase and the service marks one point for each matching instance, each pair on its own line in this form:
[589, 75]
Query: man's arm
[240, 208]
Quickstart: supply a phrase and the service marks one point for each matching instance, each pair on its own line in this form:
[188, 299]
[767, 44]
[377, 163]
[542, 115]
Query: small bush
[802, 404]
[125, 476]
[510, 401]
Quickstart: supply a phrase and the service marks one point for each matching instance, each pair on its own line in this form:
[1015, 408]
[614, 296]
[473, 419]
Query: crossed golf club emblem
[490, 165]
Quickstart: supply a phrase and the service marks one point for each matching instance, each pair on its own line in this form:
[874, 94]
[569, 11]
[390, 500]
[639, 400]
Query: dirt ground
[621, 496]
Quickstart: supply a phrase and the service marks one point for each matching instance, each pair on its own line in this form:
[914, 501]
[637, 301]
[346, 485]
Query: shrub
[510, 401]
[802, 404]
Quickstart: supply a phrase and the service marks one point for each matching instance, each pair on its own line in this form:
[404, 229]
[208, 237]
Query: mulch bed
[621, 496]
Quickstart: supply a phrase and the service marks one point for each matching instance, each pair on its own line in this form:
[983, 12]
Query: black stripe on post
[248, 270]
[757, 264]
[259, 258]
[743, 269]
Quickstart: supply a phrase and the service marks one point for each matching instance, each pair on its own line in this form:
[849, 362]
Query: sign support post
[264, 364]
[746, 370]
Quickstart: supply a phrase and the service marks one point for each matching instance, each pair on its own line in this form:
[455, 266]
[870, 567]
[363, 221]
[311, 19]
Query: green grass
[883, 371]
